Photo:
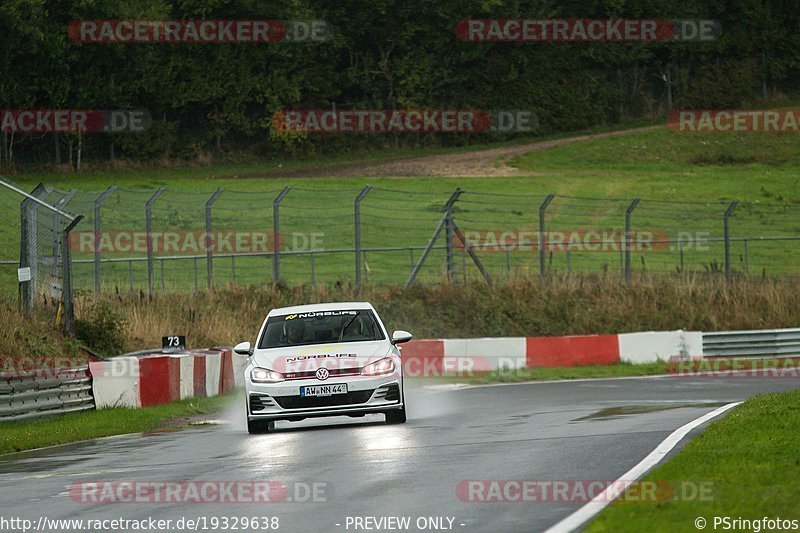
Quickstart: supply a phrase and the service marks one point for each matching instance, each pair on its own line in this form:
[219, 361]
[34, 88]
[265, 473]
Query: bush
[102, 329]
[160, 140]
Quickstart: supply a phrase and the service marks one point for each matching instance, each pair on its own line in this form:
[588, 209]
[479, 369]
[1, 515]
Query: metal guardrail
[37, 395]
[757, 343]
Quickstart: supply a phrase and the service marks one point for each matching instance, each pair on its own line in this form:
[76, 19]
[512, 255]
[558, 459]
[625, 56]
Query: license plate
[324, 390]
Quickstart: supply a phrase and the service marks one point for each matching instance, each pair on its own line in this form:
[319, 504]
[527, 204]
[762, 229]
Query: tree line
[208, 100]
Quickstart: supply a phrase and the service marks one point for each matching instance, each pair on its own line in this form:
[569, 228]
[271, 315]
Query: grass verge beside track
[786, 367]
[553, 373]
[750, 459]
[19, 436]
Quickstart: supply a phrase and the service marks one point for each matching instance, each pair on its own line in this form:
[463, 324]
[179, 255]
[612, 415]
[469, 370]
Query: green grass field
[747, 463]
[556, 373]
[595, 181]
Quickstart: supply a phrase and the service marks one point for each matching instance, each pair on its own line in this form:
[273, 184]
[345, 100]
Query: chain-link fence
[36, 259]
[160, 240]
[9, 244]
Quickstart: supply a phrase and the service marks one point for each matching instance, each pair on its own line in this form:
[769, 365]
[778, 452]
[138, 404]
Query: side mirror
[243, 348]
[399, 337]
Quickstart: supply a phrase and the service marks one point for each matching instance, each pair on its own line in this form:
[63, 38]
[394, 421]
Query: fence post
[57, 244]
[66, 276]
[746, 259]
[97, 228]
[628, 213]
[357, 217]
[29, 252]
[148, 221]
[209, 244]
[469, 251]
[25, 300]
[542, 237]
[63, 201]
[728, 241]
[58, 236]
[276, 224]
[448, 232]
[432, 241]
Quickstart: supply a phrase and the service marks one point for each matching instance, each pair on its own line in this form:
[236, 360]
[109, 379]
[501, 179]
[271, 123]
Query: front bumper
[282, 401]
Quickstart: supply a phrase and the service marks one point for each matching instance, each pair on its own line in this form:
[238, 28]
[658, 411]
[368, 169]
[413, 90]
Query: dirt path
[489, 162]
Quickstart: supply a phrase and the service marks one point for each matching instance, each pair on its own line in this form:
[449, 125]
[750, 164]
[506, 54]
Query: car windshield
[321, 327]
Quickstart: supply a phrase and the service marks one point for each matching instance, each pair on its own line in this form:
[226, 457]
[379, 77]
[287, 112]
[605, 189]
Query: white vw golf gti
[323, 360]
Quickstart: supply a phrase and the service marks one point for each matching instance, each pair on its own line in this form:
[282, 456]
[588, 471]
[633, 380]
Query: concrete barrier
[484, 354]
[430, 357]
[652, 346]
[159, 380]
[115, 382]
[213, 372]
[146, 379]
[422, 357]
[575, 350]
[186, 376]
[239, 364]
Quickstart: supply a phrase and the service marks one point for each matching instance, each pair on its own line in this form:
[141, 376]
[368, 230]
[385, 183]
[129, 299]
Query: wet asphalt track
[585, 430]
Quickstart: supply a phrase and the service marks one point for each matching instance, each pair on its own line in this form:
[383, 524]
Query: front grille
[260, 402]
[300, 402]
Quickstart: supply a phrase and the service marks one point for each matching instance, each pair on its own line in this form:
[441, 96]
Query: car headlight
[383, 366]
[263, 375]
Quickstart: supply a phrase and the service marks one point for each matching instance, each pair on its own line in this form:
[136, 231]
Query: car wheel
[260, 426]
[396, 416]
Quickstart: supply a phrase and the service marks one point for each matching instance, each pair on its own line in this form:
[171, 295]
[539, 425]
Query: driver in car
[294, 331]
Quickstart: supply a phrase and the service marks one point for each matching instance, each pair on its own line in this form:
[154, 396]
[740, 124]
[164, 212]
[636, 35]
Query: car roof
[330, 306]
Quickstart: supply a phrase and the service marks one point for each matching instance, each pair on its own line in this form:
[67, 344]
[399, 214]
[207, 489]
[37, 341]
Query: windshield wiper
[346, 324]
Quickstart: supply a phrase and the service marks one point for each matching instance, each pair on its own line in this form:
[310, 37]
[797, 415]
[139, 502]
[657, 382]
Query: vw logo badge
[322, 374]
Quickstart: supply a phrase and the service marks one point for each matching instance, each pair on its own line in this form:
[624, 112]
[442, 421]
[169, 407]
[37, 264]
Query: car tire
[260, 426]
[396, 416]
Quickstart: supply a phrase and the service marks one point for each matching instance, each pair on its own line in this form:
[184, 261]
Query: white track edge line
[599, 502]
